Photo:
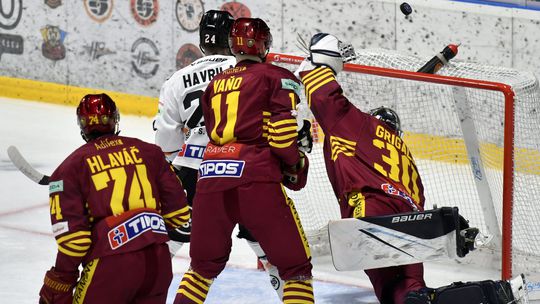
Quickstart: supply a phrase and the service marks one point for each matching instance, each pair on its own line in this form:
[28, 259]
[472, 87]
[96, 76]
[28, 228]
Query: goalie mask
[250, 36]
[97, 115]
[389, 117]
[214, 29]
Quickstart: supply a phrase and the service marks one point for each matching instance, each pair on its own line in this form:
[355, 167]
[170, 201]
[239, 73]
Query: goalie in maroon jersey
[373, 173]
[253, 152]
[111, 203]
[371, 170]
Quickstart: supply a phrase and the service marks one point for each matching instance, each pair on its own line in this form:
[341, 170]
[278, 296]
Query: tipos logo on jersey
[393, 191]
[192, 151]
[221, 168]
[135, 227]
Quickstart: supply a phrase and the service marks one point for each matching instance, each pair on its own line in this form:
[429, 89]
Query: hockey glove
[325, 50]
[305, 140]
[58, 287]
[181, 234]
[295, 177]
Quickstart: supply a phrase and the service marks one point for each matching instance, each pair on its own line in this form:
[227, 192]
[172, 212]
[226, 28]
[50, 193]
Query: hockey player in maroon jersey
[253, 152]
[371, 170]
[179, 124]
[373, 173]
[111, 203]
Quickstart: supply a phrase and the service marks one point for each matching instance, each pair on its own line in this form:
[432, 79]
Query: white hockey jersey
[179, 123]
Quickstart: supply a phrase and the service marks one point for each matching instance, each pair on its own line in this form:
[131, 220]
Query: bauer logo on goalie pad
[221, 168]
[135, 227]
[412, 217]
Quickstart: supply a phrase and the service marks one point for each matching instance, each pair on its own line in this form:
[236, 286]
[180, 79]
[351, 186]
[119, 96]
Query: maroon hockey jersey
[249, 114]
[113, 195]
[360, 152]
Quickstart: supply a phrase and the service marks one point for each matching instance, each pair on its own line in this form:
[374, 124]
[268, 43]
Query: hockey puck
[405, 8]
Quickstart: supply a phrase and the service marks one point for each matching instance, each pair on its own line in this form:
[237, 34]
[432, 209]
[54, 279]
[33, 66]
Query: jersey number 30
[398, 164]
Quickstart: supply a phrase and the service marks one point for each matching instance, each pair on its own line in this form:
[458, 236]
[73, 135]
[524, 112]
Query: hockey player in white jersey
[179, 124]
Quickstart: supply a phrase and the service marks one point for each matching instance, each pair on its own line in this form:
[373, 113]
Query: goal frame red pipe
[508, 162]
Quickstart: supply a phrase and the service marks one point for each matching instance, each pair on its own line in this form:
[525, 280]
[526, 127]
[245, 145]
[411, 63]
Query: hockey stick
[20, 162]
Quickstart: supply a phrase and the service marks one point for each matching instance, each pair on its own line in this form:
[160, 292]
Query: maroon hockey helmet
[250, 36]
[97, 115]
[389, 117]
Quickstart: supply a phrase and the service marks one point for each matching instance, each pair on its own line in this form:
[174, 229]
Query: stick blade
[18, 160]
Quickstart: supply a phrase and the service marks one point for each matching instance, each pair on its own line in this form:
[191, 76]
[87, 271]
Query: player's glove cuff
[295, 177]
[58, 287]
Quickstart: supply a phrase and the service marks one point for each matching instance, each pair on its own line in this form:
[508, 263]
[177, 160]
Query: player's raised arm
[318, 74]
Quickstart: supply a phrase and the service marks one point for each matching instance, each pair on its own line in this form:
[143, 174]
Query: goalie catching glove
[325, 50]
[58, 287]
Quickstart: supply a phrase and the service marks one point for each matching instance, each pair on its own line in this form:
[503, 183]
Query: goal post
[471, 129]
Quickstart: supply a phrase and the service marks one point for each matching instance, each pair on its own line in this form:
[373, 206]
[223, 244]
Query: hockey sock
[275, 280]
[298, 291]
[193, 289]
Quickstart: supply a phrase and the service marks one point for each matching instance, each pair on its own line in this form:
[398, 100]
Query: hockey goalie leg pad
[298, 291]
[481, 292]
[193, 288]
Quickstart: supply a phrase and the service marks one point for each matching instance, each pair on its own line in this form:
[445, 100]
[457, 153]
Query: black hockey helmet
[389, 117]
[214, 29]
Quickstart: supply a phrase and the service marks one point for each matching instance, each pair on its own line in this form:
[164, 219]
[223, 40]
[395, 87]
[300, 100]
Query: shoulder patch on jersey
[60, 228]
[57, 186]
[290, 84]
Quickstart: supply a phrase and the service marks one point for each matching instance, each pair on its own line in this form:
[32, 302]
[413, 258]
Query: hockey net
[473, 131]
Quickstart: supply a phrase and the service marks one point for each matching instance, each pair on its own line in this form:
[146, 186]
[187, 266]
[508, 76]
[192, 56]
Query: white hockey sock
[275, 280]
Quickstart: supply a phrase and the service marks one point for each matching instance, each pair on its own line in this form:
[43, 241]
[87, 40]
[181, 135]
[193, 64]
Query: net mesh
[432, 125]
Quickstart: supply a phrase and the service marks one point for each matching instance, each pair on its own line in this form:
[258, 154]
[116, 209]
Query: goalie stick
[20, 162]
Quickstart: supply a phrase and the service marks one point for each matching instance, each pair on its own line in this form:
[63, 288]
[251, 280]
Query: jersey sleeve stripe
[176, 213]
[78, 247]
[282, 130]
[71, 253]
[281, 146]
[282, 122]
[316, 72]
[283, 137]
[315, 81]
[74, 235]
